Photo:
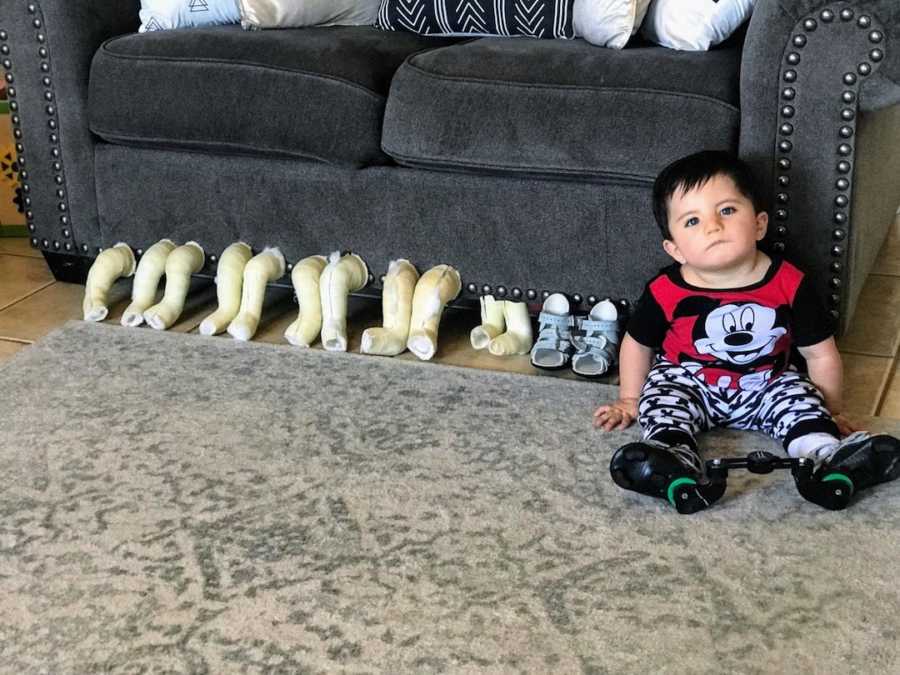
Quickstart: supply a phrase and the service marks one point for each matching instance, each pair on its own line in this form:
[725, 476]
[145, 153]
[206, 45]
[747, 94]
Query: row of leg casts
[412, 304]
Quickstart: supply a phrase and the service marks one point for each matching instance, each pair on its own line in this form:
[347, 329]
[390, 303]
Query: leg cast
[343, 275]
[492, 322]
[259, 271]
[180, 265]
[305, 277]
[518, 337]
[111, 264]
[435, 289]
[396, 306]
[229, 280]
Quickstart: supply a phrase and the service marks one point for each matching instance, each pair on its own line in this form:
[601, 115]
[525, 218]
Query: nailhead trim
[846, 129]
[62, 205]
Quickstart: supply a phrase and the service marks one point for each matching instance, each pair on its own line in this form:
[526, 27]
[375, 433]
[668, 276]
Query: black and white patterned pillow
[534, 18]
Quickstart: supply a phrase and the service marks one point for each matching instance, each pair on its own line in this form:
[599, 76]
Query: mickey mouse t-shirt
[734, 338]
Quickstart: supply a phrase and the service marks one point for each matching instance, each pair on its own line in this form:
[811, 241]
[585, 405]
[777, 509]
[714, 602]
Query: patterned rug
[174, 503]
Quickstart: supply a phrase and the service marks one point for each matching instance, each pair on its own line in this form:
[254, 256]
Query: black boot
[860, 461]
[672, 473]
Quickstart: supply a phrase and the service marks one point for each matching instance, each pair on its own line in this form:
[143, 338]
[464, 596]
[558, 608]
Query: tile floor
[32, 304]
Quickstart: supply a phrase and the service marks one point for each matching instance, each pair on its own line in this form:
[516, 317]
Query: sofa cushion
[561, 108]
[317, 93]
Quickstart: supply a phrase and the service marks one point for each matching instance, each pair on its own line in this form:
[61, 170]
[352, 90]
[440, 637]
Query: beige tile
[7, 349]
[888, 261]
[864, 380]
[891, 405]
[20, 277]
[19, 246]
[876, 323]
[50, 307]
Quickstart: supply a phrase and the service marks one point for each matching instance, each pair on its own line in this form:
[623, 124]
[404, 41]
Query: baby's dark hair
[694, 171]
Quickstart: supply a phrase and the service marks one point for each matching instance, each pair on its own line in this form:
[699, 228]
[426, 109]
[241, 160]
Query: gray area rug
[173, 503]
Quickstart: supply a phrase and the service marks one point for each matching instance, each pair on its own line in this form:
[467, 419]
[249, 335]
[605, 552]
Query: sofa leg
[72, 269]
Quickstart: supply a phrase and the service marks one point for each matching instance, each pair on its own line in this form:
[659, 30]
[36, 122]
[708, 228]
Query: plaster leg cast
[146, 280]
[262, 268]
[180, 265]
[396, 306]
[229, 279]
[492, 322]
[435, 289]
[343, 275]
[518, 337]
[305, 277]
[111, 264]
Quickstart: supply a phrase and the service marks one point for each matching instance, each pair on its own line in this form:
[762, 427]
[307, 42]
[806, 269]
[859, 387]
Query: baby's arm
[635, 361]
[826, 372]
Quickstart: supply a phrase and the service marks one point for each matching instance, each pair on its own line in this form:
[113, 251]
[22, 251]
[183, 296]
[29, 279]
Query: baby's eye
[728, 210]
[691, 221]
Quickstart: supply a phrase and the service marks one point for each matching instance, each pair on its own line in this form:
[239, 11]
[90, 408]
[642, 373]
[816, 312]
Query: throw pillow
[294, 13]
[608, 23]
[166, 14]
[534, 18]
[694, 25]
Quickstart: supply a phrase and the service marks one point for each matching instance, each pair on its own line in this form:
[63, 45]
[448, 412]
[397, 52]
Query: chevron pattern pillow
[534, 18]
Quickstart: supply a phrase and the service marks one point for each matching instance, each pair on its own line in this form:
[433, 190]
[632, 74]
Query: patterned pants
[675, 405]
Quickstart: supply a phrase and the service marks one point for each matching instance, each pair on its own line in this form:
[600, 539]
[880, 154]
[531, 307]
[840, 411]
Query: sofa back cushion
[561, 108]
[314, 93]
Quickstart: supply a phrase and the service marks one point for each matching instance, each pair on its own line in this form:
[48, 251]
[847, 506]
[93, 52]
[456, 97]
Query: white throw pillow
[608, 23]
[694, 25]
[295, 13]
[167, 14]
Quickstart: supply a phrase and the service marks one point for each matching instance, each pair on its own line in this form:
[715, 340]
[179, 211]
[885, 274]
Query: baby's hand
[618, 415]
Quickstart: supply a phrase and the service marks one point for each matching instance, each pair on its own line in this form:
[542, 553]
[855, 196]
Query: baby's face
[714, 227]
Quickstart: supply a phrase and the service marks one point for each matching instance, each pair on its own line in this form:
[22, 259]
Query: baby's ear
[762, 225]
[695, 305]
[670, 248]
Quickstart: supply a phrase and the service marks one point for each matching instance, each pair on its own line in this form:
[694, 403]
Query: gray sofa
[526, 164]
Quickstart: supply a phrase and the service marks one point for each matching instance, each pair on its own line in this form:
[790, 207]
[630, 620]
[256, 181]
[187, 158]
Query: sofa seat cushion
[317, 93]
[562, 108]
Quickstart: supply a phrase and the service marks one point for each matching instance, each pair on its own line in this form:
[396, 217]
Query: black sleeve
[648, 324]
[811, 322]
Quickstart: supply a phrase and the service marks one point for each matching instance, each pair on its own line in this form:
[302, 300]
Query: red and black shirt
[732, 338]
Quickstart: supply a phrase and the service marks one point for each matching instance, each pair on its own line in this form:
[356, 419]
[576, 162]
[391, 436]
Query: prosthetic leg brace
[518, 337]
[674, 473]
[111, 264]
[229, 279]
[305, 277]
[262, 268]
[180, 265]
[492, 322]
[396, 304]
[435, 289]
[146, 280]
[343, 275]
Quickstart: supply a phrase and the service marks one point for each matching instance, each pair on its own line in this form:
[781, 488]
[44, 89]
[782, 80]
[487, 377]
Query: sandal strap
[562, 323]
[599, 326]
[551, 340]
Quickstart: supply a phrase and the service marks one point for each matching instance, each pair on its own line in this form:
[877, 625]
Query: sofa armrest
[812, 70]
[46, 48]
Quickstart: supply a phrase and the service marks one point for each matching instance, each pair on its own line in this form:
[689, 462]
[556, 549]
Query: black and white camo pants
[675, 405]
